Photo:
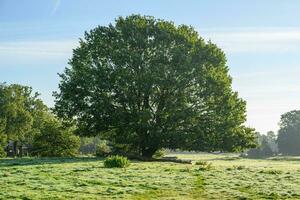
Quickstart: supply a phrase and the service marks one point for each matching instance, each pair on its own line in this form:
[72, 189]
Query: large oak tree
[146, 84]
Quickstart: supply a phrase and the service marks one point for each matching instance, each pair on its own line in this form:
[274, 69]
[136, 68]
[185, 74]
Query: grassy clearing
[228, 177]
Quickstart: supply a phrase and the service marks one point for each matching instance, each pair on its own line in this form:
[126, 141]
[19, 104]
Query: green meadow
[226, 177]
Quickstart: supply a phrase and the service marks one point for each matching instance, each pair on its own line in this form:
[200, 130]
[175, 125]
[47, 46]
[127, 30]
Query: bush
[102, 149]
[159, 153]
[55, 140]
[254, 153]
[262, 152]
[88, 145]
[116, 161]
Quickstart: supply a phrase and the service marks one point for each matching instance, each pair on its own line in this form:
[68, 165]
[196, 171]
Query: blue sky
[260, 38]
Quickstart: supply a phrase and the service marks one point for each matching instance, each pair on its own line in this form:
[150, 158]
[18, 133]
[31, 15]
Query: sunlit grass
[229, 177]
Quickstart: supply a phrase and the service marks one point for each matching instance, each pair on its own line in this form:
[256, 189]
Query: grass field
[229, 177]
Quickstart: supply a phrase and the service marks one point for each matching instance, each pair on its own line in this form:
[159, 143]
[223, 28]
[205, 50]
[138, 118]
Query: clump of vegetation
[55, 140]
[159, 153]
[88, 145]
[103, 149]
[204, 165]
[116, 162]
[267, 146]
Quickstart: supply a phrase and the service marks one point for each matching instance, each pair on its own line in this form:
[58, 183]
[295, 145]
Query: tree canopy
[25, 119]
[289, 133]
[145, 84]
[267, 146]
[19, 106]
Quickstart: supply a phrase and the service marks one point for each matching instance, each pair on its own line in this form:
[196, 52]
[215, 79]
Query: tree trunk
[148, 152]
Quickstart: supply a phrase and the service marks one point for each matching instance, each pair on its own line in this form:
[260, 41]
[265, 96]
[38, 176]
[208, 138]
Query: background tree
[16, 104]
[266, 150]
[146, 84]
[88, 145]
[266, 147]
[24, 118]
[271, 138]
[289, 133]
[3, 139]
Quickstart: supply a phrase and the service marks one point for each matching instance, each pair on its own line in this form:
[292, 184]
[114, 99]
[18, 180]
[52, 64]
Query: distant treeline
[286, 142]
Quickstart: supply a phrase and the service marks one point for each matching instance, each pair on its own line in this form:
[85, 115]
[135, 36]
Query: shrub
[88, 145]
[55, 140]
[254, 153]
[102, 149]
[159, 153]
[264, 150]
[116, 161]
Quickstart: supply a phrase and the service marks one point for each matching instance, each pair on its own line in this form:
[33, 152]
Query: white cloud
[255, 40]
[38, 48]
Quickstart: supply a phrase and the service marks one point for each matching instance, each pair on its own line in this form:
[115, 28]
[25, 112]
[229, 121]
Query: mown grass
[229, 177]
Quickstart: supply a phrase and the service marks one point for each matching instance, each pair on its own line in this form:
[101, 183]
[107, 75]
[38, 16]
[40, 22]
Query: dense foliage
[26, 121]
[20, 113]
[55, 140]
[89, 145]
[103, 149]
[267, 146]
[146, 84]
[3, 143]
[289, 133]
[116, 161]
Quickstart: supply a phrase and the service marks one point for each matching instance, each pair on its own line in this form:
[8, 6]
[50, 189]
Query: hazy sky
[260, 38]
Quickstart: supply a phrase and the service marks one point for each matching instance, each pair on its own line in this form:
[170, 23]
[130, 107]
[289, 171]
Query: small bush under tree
[116, 162]
[159, 153]
[102, 149]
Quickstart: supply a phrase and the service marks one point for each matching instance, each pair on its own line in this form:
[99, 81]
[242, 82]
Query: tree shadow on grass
[285, 158]
[7, 162]
[267, 158]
